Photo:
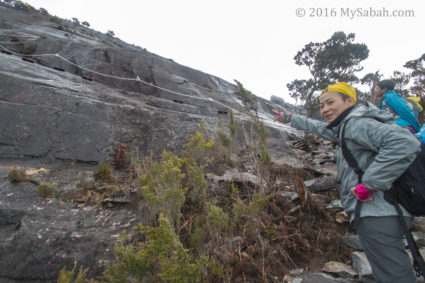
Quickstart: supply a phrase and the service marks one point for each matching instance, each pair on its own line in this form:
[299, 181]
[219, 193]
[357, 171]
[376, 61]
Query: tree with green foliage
[161, 258]
[418, 74]
[110, 33]
[248, 98]
[371, 80]
[401, 81]
[336, 59]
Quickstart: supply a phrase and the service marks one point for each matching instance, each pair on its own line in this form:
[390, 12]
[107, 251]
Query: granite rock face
[39, 236]
[89, 93]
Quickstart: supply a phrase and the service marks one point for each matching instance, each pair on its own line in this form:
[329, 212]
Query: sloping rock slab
[38, 236]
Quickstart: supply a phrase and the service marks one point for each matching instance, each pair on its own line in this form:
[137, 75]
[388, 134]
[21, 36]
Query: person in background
[383, 150]
[397, 105]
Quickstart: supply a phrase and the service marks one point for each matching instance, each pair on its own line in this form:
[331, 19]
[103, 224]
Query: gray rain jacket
[382, 149]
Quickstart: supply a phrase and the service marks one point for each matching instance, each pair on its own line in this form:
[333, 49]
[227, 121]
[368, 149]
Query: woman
[383, 150]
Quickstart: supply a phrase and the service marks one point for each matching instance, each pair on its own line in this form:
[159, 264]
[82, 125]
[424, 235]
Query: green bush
[161, 185]
[247, 97]
[217, 217]
[232, 125]
[66, 276]
[104, 173]
[198, 149]
[263, 133]
[194, 181]
[17, 175]
[161, 258]
[23, 6]
[259, 201]
[46, 190]
[225, 140]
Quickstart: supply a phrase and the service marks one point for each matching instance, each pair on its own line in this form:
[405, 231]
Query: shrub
[225, 140]
[23, 6]
[232, 125]
[17, 174]
[194, 181]
[263, 133]
[162, 186]
[66, 276]
[56, 20]
[161, 258]
[104, 173]
[217, 217]
[247, 97]
[240, 209]
[198, 149]
[43, 11]
[46, 190]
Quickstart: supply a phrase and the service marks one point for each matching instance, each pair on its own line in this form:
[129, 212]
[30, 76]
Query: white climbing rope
[137, 79]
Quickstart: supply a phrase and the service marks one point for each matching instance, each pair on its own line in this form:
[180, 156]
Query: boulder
[418, 224]
[322, 184]
[352, 241]
[361, 265]
[340, 269]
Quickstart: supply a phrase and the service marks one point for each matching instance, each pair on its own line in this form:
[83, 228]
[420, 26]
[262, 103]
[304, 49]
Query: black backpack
[408, 190]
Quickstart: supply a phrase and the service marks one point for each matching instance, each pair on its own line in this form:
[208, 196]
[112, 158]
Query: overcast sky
[255, 41]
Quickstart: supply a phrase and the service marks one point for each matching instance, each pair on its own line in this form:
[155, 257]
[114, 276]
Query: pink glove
[362, 192]
[283, 117]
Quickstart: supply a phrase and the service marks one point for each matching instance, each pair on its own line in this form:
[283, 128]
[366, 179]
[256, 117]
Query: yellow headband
[342, 88]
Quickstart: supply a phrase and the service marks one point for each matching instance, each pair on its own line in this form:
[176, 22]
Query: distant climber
[397, 105]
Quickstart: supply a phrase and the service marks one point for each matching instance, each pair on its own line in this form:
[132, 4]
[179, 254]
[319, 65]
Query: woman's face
[332, 105]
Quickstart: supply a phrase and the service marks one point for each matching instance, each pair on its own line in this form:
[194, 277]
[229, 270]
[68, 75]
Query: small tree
[23, 6]
[43, 11]
[86, 24]
[371, 80]
[336, 59]
[401, 80]
[418, 74]
[76, 21]
[110, 33]
[248, 98]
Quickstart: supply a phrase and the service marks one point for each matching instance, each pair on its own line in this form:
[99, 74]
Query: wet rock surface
[55, 107]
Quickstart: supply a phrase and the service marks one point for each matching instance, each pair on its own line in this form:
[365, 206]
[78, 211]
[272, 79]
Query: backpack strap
[418, 261]
[348, 156]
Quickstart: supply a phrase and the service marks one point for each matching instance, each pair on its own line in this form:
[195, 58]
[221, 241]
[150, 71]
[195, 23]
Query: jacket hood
[369, 110]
